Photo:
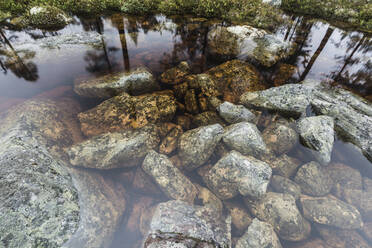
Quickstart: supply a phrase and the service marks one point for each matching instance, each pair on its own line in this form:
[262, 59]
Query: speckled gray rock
[235, 173]
[246, 42]
[136, 82]
[113, 150]
[280, 137]
[331, 211]
[281, 212]
[314, 179]
[197, 145]
[245, 138]
[179, 224]
[259, 234]
[317, 133]
[235, 113]
[168, 177]
[285, 166]
[284, 185]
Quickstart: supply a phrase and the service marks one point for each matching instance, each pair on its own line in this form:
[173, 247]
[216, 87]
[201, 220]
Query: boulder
[281, 212]
[136, 82]
[285, 166]
[126, 148]
[235, 113]
[311, 243]
[314, 179]
[280, 137]
[240, 218]
[47, 17]
[344, 178]
[331, 212]
[286, 186]
[341, 238]
[169, 178]
[197, 145]
[317, 133]
[126, 112]
[235, 173]
[360, 199]
[180, 224]
[259, 234]
[176, 74]
[207, 118]
[209, 199]
[247, 43]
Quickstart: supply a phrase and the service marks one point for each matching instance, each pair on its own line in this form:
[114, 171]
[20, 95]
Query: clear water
[327, 53]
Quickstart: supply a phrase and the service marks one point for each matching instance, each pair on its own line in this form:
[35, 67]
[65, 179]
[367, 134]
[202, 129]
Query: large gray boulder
[114, 150]
[169, 178]
[180, 224]
[259, 234]
[246, 42]
[281, 212]
[197, 145]
[235, 173]
[235, 113]
[317, 133]
[136, 82]
[245, 138]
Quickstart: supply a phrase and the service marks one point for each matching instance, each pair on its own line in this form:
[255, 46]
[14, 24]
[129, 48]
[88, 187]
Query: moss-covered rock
[47, 17]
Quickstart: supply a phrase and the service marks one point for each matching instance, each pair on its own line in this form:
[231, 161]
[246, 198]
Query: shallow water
[324, 52]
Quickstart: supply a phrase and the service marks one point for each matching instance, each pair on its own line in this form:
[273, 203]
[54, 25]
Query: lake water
[324, 52]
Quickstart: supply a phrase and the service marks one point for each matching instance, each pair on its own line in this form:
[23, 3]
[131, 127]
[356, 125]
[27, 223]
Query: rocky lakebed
[226, 139]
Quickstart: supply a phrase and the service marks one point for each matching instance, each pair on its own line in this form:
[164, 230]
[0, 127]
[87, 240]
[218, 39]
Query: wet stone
[284, 185]
[280, 137]
[207, 118]
[140, 205]
[144, 184]
[191, 102]
[367, 230]
[259, 234]
[47, 17]
[235, 173]
[360, 199]
[113, 150]
[331, 212]
[317, 133]
[197, 145]
[125, 112]
[235, 113]
[281, 212]
[169, 143]
[285, 166]
[169, 178]
[314, 179]
[245, 138]
[176, 74]
[284, 73]
[344, 178]
[136, 82]
[209, 199]
[311, 243]
[240, 217]
[340, 238]
[180, 224]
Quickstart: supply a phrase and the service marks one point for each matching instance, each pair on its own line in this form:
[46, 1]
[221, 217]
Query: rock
[281, 212]
[176, 74]
[136, 82]
[179, 224]
[284, 74]
[344, 178]
[367, 184]
[209, 199]
[340, 238]
[332, 212]
[240, 217]
[367, 230]
[311, 243]
[360, 199]
[47, 17]
[235, 113]
[284, 185]
[273, 2]
[197, 145]
[170, 180]
[234, 78]
[191, 102]
[245, 138]
[235, 173]
[317, 133]
[280, 137]
[247, 43]
[113, 150]
[143, 184]
[207, 85]
[125, 112]
[285, 166]
[207, 118]
[314, 179]
[259, 234]
[140, 205]
[169, 143]
[184, 121]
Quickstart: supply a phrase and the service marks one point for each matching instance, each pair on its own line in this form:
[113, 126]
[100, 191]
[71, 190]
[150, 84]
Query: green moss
[47, 17]
[141, 7]
[4, 15]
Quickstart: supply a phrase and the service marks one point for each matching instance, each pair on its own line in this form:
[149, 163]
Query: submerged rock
[248, 43]
[280, 137]
[317, 133]
[136, 82]
[245, 138]
[341, 238]
[331, 211]
[281, 212]
[286, 186]
[125, 112]
[259, 234]
[169, 178]
[344, 178]
[235, 173]
[285, 166]
[235, 113]
[207, 118]
[197, 145]
[240, 217]
[314, 179]
[114, 150]
[180, 224]
[176, 74]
